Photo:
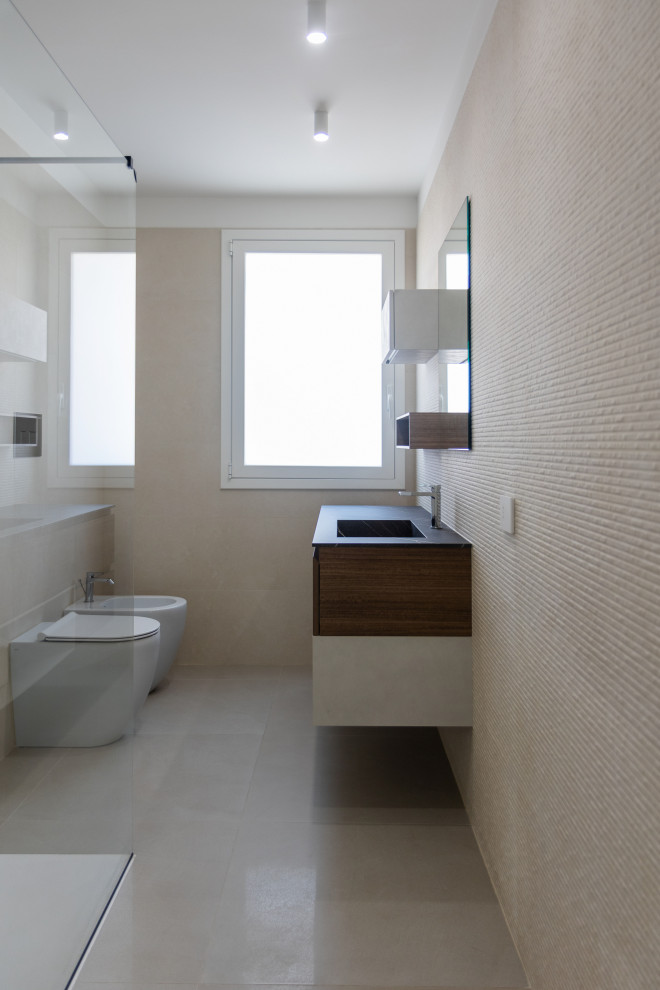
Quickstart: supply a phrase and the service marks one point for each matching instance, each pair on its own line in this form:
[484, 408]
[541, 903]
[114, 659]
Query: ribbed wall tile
[557, 143]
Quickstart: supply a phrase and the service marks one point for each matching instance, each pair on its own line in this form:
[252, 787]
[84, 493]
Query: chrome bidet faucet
[88, 586]
[434, 495]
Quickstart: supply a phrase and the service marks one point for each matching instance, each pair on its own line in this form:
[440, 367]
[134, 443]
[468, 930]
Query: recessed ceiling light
[316, 33]
[321, 125]
[61, 126]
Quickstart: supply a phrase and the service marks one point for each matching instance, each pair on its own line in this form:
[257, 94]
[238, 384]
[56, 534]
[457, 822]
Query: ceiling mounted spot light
[321, 125]
[61, 128]
[316, 33]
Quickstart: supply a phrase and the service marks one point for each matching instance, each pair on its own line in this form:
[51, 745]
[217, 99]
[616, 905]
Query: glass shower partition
[65, 806]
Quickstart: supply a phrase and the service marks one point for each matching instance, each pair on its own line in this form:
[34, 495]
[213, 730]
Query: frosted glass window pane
[313, 378]
[457, 271]
[102, 376]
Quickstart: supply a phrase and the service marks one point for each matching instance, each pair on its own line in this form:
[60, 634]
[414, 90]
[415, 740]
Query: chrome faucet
[88, 586]
[434, 495]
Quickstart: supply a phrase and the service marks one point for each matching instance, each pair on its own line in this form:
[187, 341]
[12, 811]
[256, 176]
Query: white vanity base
[392, 680]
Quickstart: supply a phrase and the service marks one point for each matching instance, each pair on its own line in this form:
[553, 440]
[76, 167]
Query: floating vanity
[392, 619]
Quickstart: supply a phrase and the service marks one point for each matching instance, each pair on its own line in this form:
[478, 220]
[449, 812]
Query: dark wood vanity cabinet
[392, 640]
[392, 591]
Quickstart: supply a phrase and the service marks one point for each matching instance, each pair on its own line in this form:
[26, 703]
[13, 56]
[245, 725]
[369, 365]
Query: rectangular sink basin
[379, 528]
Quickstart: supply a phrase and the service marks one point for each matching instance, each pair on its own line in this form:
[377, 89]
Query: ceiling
[213, 97]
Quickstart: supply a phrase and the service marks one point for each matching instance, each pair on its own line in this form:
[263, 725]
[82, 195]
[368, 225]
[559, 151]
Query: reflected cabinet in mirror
[450, 427]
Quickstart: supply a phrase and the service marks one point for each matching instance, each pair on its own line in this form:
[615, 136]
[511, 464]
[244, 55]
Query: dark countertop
[326, 527]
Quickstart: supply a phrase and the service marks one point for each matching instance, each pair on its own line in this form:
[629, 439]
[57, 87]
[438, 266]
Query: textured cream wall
[558, 143]
[243, 559]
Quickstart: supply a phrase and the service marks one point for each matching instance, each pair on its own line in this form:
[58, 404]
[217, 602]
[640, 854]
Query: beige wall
[242, 559]
[558, 142]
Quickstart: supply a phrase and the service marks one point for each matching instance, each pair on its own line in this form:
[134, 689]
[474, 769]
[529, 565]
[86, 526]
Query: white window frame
[64, 243]
[234, 472]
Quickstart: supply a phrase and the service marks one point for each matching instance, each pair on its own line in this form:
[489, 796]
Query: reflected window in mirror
[458, 387]
[456, 270]
[454, 275]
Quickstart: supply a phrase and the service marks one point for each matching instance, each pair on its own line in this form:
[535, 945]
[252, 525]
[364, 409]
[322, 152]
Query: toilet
[81, 681]
[166, 609]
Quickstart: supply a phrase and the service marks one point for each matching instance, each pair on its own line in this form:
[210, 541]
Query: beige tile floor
[273, 854]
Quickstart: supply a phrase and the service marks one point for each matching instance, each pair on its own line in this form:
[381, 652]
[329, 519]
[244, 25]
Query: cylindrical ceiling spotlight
[61, 128]
[321, 125]
[316, 33]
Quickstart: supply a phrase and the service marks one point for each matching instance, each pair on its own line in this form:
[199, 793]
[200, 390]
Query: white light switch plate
[507, 513]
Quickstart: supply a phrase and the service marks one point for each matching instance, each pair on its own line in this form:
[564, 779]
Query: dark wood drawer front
[393, 591]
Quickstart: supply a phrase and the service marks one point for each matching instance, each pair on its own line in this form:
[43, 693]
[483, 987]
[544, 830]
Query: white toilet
[80, 681]
[166, 609]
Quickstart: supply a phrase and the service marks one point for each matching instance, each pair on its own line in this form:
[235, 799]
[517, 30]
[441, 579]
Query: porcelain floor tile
[78, 788]
[20, 773]
[292, 701]
[83, 985]
[208, 840]
[354, 775]
[264, 677]
[190, 797]
[345, 904]
[81, 835]
[211, 700]
[209, 717]
[308, 986]
[158, 928]
[228, 756]
[273, 854]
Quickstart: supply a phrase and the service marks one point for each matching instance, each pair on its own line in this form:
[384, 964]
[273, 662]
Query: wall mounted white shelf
[417, 324]
[23, 330]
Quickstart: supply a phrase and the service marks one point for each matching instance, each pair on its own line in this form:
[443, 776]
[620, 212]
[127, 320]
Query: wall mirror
[450, 427]
[454, 368]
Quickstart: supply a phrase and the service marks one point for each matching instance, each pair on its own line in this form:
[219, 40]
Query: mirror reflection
[454, 278]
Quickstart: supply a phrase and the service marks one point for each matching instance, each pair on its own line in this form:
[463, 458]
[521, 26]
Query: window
[306, 400]
[93, 407]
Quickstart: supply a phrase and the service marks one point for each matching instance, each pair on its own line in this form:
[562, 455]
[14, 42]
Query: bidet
[169, 611]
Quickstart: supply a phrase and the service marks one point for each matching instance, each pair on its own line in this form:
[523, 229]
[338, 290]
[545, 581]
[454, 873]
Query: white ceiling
[216, 97]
